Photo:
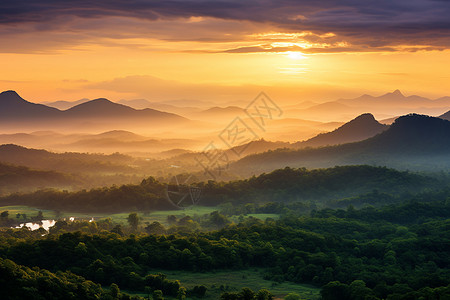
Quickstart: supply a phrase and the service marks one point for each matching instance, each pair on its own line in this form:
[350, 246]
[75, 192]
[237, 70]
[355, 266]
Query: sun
[295, 55]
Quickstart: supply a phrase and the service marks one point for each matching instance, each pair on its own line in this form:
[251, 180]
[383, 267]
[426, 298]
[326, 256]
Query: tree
[181, 293]
[171, 219]
[148, 290]
[292, 296]
[118, 229]
[158, 295]
[358, 290]
[114, 291]
[246, 294]
[155, 228]
[81, 248]
[133, 220]
[263, 294]
[4, 217]
[334, 290]
[40, 216]
[198, 291]
[217, 219]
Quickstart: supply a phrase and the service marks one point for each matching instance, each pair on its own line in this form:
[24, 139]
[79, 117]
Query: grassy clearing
[160, 216]
[121, 218]
[218, 282]
[29, 211]
[263, 217]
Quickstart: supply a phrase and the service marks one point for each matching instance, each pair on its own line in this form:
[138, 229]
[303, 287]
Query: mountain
[68, 162]
[217, 113]
[411, 142]
[445, 116]
[254, 147]
[388, 121]
[23, 179]
[123, 135]
[412, 134]
[358, 129]
[396, 99]
[103, 108]
[86, 116]
[14, 107]
[384, 106]
[322, 112]
[64, 105]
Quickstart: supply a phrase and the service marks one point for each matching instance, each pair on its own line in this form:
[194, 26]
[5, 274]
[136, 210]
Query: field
[121, 218]
[217, 282]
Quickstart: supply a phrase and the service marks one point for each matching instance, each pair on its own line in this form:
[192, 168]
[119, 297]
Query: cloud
[382, 25]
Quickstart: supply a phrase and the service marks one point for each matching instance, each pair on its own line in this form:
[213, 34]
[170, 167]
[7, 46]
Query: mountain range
[384, 106]
[64, 105]
[15, 111]
[411, 142]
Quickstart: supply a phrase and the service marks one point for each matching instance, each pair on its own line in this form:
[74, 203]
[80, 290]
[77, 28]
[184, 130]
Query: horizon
[207, 105]
[223, 52]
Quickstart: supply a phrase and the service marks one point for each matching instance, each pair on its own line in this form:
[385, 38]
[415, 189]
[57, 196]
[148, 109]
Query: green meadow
[231, 281]
[121, 218]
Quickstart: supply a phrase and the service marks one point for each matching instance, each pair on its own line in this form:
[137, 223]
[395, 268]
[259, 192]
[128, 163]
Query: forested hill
[63, 162]
[413, 142]
[289, 184]
[284, 185]
[19, 178]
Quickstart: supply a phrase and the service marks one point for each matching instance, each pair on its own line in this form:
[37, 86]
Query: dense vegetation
[355, 232]
[15, 178]
[325, 187]
[395, 252]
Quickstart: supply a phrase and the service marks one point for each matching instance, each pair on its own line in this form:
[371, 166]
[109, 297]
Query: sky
[223, 51]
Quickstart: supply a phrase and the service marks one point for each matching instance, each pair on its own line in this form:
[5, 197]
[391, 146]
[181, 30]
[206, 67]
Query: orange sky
[223, 59]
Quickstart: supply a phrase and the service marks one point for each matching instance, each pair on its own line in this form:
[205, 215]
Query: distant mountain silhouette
[358, 129]
[14, 109]
[445, 116]
[143, 103]
[412, 141]
[107, 142]
[64, 105]
[253, 147]
[122, 135]
[385, 106]
[219, 113]
[103, 108]
[136, 103]
[388, 121]
[395, 98]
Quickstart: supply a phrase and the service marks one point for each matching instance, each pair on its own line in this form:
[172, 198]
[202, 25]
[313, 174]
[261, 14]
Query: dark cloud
[382, 24]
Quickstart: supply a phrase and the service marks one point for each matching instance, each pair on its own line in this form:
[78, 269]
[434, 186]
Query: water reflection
[46, 224]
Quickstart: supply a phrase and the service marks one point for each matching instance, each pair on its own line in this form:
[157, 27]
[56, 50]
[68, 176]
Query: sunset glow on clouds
[223, 50]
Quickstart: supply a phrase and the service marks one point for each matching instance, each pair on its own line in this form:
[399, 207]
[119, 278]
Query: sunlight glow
[295, 55]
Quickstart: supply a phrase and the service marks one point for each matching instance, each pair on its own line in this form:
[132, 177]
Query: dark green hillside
[412, 142]
[285, 185]
[64, 162]
[19, 178]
